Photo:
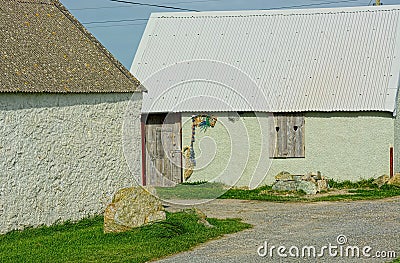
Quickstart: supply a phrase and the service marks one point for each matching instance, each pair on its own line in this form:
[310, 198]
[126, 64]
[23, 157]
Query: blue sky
[119, 26]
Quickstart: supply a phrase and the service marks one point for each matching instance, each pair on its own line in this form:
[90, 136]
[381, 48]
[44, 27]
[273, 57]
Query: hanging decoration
[203, 122]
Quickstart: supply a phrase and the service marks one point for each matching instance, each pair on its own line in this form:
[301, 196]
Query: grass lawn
[85, 241]
[339, 191]
[267, 194]
[197, 190]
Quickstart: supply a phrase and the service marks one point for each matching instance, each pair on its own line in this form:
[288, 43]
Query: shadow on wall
[19, 101]
[350, 115]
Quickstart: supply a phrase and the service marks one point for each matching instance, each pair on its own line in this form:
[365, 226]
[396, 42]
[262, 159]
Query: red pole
[391, 162]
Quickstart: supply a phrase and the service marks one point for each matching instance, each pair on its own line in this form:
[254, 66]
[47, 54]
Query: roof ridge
[42, 2]
[279, 12]
[97, 43]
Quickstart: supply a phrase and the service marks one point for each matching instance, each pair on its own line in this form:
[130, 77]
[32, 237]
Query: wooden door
[163, 151]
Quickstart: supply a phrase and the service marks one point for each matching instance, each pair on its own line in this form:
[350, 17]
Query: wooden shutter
[287, 136]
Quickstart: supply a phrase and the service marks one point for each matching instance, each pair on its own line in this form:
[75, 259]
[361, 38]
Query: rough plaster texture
[343, 146]
[61, 155]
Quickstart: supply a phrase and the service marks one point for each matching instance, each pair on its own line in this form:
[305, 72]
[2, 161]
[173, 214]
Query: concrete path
[301, 226]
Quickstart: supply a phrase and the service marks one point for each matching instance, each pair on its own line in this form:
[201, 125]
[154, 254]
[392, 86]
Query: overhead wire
[190, 2]
[161, 6]
[124, 6]
[185, 9]
[133, 24]
[307, 5]
[115, 21]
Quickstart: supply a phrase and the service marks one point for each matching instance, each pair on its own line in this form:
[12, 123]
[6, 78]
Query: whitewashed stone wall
[62, 155]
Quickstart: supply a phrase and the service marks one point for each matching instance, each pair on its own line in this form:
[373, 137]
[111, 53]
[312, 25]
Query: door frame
[143, 122]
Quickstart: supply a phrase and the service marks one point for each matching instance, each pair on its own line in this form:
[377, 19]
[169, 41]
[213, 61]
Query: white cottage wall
[61, 155]
[343, 146]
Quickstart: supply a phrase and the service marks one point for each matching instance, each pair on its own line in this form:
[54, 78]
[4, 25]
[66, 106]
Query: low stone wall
[61, 156]
[309, 183]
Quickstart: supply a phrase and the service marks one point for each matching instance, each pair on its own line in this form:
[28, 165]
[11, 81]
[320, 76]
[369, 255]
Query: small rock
[201, 215]
[309, 177]
[284, 176]
[205, 223]
[306, 177]
[395, 180]
[322, 185]
[297, 177]
[132, 207]
[381, 180]
[318, 176]
[195, 211]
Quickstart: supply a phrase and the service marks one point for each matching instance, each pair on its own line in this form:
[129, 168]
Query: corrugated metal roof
[43, 48]
[336, 59]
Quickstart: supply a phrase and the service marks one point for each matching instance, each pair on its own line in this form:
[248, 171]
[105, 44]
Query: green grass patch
[85, 241]
[338, 191]
[196, 190]
[265, 193]
[362, 190]
[364, 183]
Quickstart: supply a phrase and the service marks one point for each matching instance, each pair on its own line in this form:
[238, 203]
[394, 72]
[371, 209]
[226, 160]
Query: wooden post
[143, 133]
[391, 162]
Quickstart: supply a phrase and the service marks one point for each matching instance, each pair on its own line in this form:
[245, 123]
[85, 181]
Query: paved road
[295, 225]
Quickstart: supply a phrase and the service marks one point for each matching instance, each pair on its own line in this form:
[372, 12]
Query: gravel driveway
[301, 226]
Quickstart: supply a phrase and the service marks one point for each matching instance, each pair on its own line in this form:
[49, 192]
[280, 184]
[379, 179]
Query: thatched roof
[43, 48]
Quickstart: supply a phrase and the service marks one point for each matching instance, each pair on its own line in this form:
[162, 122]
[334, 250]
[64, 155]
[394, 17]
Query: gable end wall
[62, 155]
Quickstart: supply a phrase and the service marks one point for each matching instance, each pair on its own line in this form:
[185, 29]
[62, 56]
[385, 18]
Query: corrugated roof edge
[396, 106]
[274, 111]
[276, 12]
[64, 10]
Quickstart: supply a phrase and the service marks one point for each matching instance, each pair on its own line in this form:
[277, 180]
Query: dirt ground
[362, 224]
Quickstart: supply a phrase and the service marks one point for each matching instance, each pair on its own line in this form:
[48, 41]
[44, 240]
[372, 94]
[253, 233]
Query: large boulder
[132, 207]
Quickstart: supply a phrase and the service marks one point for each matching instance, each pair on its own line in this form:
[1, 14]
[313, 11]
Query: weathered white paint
[61, 155]
[343, 146]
